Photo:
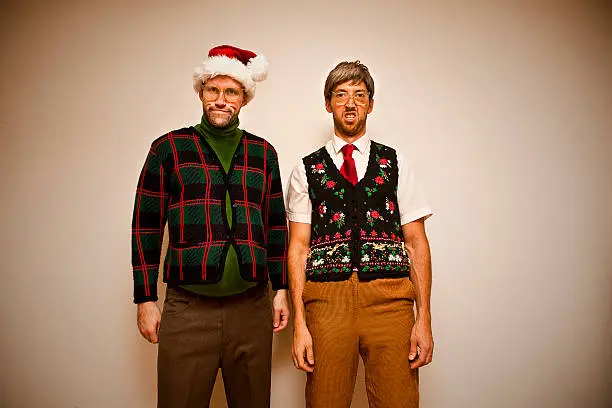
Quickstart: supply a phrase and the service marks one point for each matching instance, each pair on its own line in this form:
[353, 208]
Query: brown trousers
[199, 335]
[351, 318]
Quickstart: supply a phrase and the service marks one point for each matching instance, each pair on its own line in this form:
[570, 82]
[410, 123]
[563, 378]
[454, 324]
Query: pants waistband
[253, 292]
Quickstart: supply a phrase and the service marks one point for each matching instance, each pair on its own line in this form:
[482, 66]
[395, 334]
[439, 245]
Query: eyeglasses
[359, 97]
[211, 93]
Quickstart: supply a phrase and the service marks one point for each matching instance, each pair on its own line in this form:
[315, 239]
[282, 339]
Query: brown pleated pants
[200, 334]
[351, 318]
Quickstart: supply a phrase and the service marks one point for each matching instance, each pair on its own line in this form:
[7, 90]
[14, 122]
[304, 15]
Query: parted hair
[353, 71]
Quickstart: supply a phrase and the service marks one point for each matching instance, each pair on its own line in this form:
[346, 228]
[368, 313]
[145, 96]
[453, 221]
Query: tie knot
[347, 150]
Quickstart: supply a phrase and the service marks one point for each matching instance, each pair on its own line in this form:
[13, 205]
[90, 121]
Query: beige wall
[505, 110]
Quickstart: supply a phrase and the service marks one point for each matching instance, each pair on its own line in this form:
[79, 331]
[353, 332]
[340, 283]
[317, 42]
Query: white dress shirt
[410, 199]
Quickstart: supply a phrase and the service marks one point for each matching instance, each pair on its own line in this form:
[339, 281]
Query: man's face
[350, 116]
[222, 97]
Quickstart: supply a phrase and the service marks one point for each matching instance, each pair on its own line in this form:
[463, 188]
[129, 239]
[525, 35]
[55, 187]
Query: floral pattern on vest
[355, 227]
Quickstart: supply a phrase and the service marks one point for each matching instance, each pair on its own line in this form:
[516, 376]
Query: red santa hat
[244, 66]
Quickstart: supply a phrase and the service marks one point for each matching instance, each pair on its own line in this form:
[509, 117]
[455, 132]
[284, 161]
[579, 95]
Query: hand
[421, 344]
[281, 310]
[303, 355]
[148, 318]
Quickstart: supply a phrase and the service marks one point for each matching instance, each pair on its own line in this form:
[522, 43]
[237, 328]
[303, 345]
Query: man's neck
[350, 139]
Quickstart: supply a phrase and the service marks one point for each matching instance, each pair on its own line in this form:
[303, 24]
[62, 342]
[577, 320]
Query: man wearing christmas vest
[358, 259]
[219, 189]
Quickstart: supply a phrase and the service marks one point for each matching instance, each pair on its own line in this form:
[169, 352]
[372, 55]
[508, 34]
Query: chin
[219, 120]
[352, 130]
[220, 123]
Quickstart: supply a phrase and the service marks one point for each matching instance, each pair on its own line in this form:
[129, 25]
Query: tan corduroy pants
[351, 318]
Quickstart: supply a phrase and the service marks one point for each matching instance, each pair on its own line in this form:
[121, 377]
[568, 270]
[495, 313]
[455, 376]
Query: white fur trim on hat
[255, 70]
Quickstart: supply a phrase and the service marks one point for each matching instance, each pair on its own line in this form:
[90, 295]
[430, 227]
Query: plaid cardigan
[183, 182]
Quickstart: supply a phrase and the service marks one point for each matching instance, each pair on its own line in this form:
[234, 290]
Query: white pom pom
[259, 68]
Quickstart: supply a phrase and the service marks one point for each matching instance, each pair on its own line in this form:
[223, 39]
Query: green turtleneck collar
[206, 129]
[223, 141]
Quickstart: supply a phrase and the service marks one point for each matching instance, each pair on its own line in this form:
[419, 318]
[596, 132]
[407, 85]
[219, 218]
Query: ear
[328, 106]
[371, 106]
[201, 95]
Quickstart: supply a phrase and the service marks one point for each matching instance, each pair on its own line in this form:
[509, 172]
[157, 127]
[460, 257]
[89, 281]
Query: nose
[220, 101]
[350, 102]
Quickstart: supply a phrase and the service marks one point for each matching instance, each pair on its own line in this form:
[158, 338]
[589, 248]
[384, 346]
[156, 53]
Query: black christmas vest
[355, 227]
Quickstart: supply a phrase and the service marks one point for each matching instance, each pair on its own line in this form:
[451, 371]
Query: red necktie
[348, 169]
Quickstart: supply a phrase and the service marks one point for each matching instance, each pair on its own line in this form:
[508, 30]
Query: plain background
[504, 107]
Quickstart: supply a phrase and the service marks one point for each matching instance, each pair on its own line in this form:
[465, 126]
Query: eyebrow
[229, 87]
[346, 90]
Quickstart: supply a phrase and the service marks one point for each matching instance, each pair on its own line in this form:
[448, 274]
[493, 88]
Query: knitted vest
[355, 227]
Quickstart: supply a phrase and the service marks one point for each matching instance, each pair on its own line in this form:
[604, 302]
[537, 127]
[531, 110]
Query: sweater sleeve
[148, 222]
[275, 226]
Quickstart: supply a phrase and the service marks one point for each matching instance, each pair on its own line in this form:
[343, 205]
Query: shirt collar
[361, 144]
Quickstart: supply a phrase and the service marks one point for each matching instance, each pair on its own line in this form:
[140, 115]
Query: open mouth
[350, 117]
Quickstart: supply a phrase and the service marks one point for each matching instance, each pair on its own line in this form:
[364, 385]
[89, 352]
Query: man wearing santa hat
[358, 259]
[219, 189]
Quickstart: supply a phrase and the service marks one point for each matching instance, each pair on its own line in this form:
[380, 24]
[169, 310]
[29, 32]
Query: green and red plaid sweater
[183, 182]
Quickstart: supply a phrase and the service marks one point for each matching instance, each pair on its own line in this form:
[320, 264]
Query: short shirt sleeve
[411, 201]
[299, 207]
